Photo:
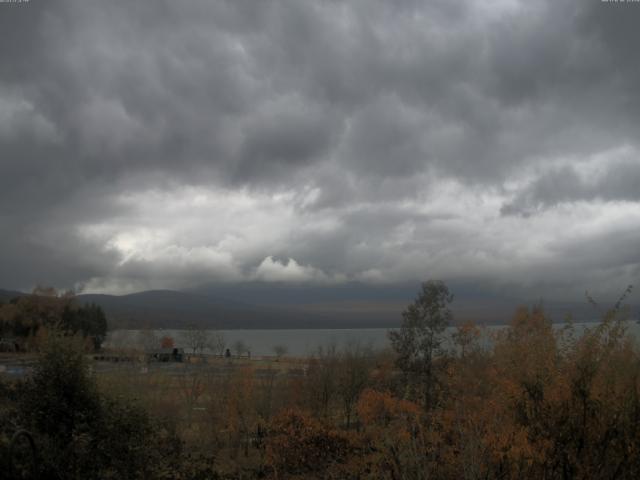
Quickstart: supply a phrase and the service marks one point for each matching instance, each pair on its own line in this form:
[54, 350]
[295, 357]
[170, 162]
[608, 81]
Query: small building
[116, 357]
[166, 355]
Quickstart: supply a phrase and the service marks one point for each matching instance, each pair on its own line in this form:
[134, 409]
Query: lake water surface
[299, 342]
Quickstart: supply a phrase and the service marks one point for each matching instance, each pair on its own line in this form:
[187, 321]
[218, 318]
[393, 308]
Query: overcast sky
[167, 144]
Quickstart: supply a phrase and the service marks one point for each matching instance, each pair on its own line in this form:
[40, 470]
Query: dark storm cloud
[382, 126]
[619, 182]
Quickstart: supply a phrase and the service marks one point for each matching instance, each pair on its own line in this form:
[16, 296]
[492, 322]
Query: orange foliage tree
[300, 446]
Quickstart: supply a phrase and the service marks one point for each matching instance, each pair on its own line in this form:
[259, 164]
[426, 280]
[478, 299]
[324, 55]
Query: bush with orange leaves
[381, 408]
[167, 342]
[546, 403]
[401, 440]
[300, 446]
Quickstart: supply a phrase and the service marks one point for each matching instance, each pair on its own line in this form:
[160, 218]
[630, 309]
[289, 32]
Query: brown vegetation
[541, 402]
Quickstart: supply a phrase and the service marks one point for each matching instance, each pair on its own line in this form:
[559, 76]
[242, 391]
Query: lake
[298, 342]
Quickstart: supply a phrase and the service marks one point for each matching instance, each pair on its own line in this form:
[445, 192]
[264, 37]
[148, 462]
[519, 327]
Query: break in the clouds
[172, 144]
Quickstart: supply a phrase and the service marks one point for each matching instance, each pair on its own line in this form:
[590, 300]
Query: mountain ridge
[361, 308]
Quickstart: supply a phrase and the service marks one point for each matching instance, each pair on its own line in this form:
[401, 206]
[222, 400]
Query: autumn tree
[217, 342]
[300, 446]
[353, 376]
[398, 440]
[47, 309]
[419, 340]
[167, 342]
[267, 384]
[193, 339]
[240, 348]
[321, 379]
[465, 338]
[147, 338]
[200, 339]
[191, 383]
[241, 409]
[280, 351]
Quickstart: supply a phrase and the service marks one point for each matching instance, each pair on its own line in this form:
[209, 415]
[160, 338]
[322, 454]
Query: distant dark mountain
[6, 295]
[268, 305]
[173, 309]
[355, 303]
[168, 308]
[275, 293]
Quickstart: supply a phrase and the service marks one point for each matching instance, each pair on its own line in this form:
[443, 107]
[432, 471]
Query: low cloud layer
[174, 144]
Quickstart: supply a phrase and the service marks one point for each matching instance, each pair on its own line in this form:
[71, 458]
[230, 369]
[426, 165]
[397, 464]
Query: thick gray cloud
[619, 181]
[175, 143]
